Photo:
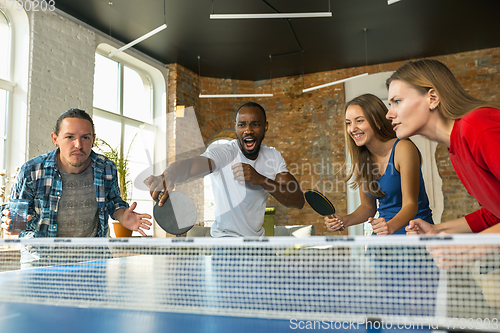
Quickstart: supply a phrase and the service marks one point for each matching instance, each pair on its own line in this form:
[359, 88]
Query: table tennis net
[441, 282]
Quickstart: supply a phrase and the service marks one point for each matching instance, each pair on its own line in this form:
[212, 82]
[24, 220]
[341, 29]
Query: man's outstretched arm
[178, 172]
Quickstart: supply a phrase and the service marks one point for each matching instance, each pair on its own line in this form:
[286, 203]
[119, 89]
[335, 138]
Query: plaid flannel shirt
[40, 182]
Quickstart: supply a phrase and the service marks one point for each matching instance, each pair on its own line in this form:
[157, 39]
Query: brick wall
[61, 74]
[308, 128]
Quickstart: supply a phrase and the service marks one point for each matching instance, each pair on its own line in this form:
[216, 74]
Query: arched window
[5, 83]
[14, 66]
[124, 118]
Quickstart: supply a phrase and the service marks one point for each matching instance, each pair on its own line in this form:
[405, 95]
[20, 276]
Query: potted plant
[122, 168]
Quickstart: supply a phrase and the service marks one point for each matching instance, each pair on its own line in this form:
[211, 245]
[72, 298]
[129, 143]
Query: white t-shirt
[240, 206]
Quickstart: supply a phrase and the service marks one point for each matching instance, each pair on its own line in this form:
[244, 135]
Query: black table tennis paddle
[320, 204]
[177, 215]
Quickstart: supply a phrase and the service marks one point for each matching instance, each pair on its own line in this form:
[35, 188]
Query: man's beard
[79, 164]
[251, 155]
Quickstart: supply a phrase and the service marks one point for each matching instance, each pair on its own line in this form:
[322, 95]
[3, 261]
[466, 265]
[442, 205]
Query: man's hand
[157, 186]
[6, 222]
[132, 220]
[379, 226]
[420, 227]
[245, 172]
[177, 173]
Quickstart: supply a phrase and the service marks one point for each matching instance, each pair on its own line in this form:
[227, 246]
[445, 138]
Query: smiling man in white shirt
[244, 172]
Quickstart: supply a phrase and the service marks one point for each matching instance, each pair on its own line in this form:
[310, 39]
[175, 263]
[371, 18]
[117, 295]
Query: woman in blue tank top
[386, 170]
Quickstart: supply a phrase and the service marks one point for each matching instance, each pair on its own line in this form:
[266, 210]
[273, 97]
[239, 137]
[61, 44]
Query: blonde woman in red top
[425, 98]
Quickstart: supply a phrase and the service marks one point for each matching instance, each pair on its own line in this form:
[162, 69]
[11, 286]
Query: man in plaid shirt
[72, 190]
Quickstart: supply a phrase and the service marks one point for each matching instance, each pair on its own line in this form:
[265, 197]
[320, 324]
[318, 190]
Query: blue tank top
[391, 202]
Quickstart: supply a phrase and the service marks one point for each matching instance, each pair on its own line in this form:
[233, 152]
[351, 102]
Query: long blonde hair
[362, 165]
[427, 74]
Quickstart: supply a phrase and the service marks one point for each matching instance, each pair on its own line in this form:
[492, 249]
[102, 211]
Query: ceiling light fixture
[333, 83]
[234, 95]
[138, 40]
[275, 15]
[390, 2]
[269, 15]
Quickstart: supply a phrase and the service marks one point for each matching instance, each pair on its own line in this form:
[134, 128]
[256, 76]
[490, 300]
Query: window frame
[157, 105]
[14, 140]
[123, 119]
[8, 87]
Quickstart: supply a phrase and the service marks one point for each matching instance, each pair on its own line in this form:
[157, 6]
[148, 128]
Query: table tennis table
[30, 318]
[23, 317]
[215, 288]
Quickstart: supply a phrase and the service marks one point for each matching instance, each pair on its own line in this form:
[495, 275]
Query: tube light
[333, 83]
[269, 15]
[138, 40]
[234, 95]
